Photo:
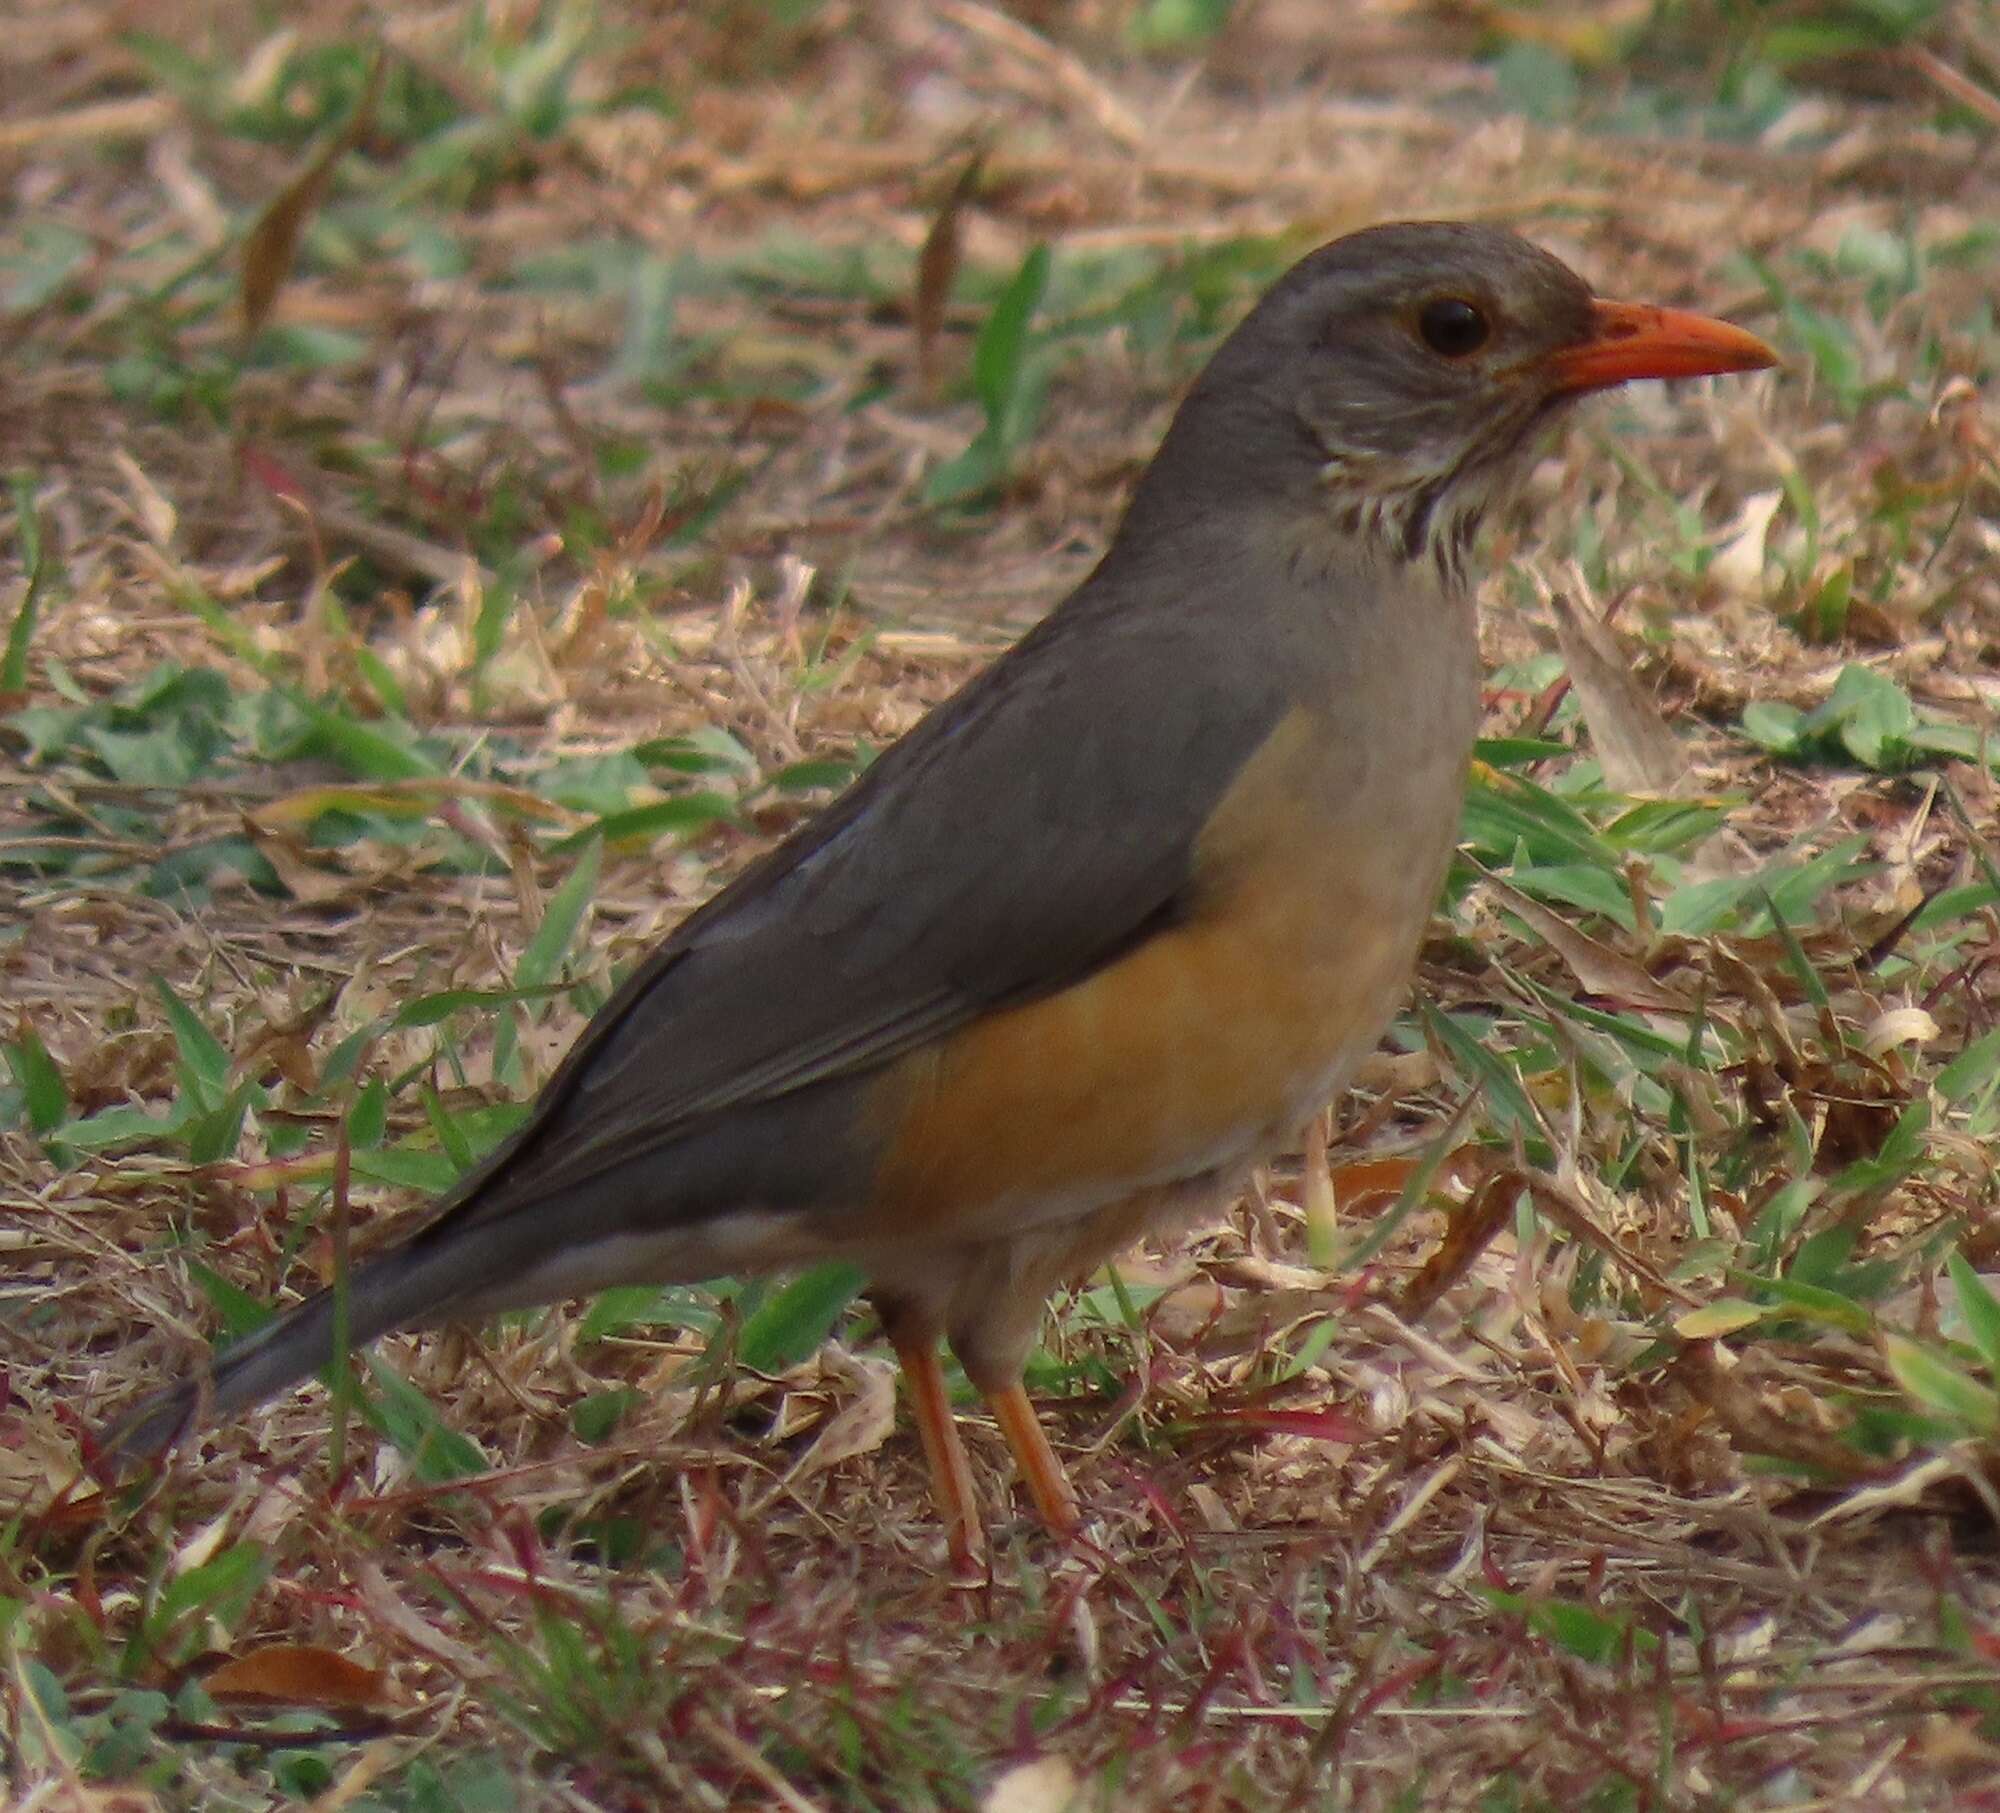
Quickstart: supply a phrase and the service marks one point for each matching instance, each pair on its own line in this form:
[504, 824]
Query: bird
[1101, 931]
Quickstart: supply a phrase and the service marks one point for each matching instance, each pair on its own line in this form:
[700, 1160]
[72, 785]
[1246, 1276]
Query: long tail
[402, 1288]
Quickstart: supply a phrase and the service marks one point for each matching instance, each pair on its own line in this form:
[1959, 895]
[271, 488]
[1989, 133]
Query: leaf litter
[1599, 1419]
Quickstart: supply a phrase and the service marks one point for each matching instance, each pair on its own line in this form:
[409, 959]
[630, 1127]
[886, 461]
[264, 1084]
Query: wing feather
[1018, 838]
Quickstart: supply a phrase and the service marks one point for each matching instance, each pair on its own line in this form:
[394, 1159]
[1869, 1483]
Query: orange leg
[1047, 1482]
[951, 1477]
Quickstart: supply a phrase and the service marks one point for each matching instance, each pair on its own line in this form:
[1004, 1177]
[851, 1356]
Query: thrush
[1102, 930]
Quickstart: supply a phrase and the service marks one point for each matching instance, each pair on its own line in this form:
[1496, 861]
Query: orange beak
[1635, 340]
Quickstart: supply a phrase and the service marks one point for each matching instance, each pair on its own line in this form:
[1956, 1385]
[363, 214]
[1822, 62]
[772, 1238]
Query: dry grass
[590, 416]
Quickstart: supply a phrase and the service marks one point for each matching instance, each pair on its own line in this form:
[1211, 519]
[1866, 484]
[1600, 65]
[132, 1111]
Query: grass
[470, 491]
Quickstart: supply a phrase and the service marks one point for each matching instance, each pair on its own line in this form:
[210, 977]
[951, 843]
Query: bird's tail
[406, 1287]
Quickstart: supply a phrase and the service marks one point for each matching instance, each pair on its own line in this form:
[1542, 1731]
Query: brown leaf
[1639, 754]
[937, 267]
[302, 1674]
[1216, 1517]
[1184, 1314]
[1760, 983]
[1596, 966]
[394, 1614]
[1369, 1182]
[37, 1466]
[82, 1797]
[1046, 1785]
[141, 116]
[156, 516]
[310, 878]
[1738, 564]
[1328, 1423]
[1754, 1427]
[271, 245]
[1562, 1205]
[858, 1427]
[1467, 1235]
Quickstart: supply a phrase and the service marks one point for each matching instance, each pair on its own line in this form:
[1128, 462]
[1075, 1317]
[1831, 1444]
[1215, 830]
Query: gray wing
[1021, 836]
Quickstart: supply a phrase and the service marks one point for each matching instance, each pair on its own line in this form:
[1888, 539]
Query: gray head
[1399, 379]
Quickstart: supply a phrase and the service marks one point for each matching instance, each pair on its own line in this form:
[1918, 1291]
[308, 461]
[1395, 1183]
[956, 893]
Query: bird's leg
[1048, 1484]
[995, 1318]
[951, 1475]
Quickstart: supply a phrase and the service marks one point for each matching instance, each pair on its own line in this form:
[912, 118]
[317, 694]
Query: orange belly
[1203, 1047]
[1197, 1050]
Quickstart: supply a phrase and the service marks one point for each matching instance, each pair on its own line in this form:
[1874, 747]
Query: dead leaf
[1468, 1234]
[1561, 1203]
[1368, 1182]
[1329, 1423]
[271, 245]
[1738, 565]
[858, 1427]
[156, 515]
[1712, 1377]
[312, 882]
[1597, 967]
[1184, 1314]
[301, 1674]
[38, 1465]
[1046, 1785]
[82, 1797]
[1271, 1275]
[387, 1607]
[1637, 751]
[1731, 961]
[1216, 1517]
[1915, 1488]
[1899, 1026]
[937, 267]
[104, 122]
[400, 550]
[290, 1054]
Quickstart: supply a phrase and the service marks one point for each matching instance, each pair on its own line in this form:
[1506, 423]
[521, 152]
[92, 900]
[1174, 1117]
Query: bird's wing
[1021, 836]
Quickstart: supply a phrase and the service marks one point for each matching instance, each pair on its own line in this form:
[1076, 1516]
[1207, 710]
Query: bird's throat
[1428, 522]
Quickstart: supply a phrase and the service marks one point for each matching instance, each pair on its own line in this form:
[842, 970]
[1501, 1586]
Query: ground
[480, 474]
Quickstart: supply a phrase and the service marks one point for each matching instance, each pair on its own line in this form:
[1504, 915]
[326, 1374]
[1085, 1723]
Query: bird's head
[1401, 377]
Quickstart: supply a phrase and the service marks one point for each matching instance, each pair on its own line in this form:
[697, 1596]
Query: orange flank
[1235, 1018]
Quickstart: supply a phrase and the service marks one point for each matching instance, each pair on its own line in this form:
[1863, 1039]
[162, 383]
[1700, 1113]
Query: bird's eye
[1453, 327]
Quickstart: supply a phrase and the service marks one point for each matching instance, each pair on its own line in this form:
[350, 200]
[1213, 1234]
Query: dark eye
[1452, 327]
